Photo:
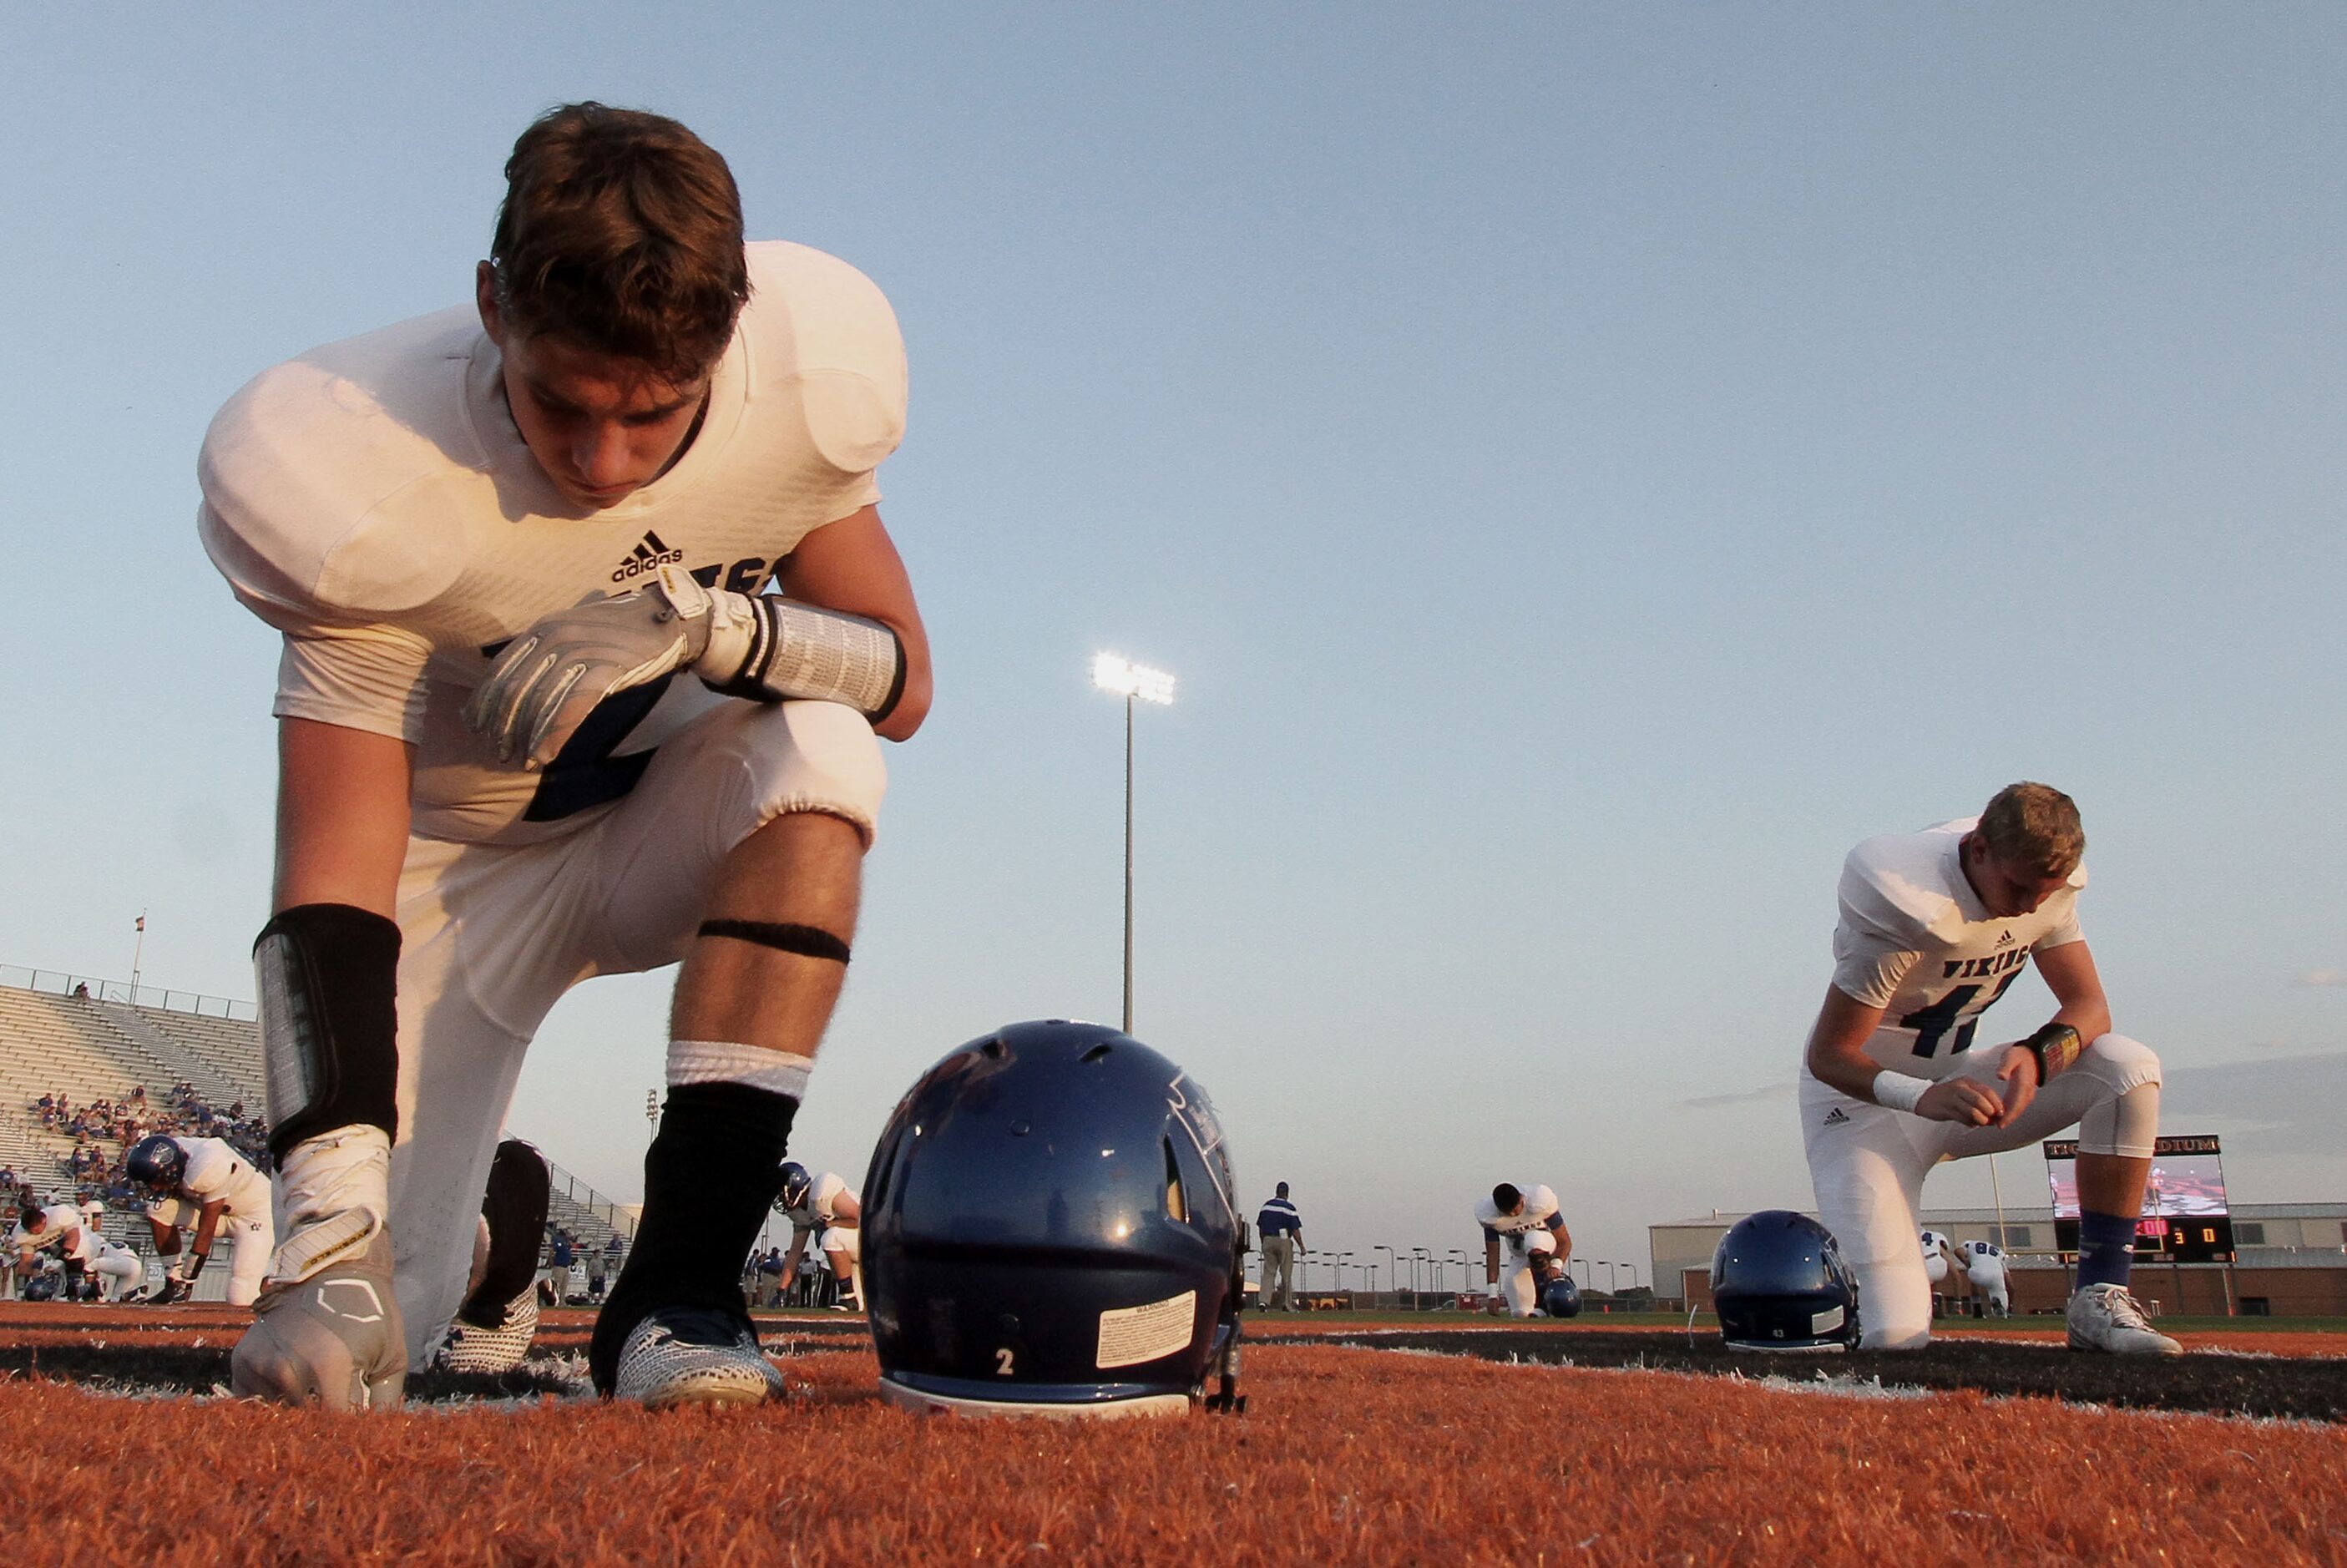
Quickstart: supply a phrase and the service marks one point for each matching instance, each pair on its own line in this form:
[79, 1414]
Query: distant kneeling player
[204, 1186]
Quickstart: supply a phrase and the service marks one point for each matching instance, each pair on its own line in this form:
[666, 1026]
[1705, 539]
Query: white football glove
[547, 680]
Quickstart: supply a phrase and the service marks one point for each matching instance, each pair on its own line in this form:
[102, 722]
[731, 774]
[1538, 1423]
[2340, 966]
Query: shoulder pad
[814, 319]
[329, 481]
[1882, 896]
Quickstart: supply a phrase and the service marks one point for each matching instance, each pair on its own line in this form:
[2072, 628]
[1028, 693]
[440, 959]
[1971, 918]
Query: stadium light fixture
[1134, 682]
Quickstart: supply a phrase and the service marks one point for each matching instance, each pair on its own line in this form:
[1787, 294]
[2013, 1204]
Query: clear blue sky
[1586, 468]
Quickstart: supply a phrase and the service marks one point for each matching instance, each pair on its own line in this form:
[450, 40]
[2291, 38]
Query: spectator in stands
[599, 1274]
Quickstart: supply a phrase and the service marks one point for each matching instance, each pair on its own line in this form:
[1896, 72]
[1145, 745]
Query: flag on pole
[141, 923]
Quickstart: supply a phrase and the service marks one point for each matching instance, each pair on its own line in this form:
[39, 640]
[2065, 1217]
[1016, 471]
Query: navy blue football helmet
[156, 1164]
[1779, 1282]
[797, 1185]
[1561, 1297]
[1048, 1229]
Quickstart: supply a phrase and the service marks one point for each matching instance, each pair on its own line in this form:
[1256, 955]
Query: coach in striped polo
[1282, 1230]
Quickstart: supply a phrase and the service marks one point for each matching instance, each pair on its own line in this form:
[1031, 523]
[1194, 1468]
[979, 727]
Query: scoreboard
[2185, 1218]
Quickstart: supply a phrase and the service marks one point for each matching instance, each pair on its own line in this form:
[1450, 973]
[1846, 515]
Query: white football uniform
[62, 1233]
[820, 1215]
[374, 501]
[1984, 1262]
[1914, 939]
[836, 1241]
[118, 1270]
[1935, 1257]
[217, 1173]
[1522, 1250]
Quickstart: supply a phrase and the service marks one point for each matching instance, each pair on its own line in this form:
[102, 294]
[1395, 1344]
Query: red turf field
[1344, 1456]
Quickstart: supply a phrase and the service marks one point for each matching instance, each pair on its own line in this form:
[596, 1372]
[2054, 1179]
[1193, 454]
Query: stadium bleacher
[89, 1045]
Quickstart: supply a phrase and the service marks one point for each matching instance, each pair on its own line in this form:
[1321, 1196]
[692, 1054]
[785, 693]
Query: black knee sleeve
[328, 975]
[710, 1182]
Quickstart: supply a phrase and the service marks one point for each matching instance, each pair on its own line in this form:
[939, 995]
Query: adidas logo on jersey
[2003, 938]
[650, 555]
[1836, 1117]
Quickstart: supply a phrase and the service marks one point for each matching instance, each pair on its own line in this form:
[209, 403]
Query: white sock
[725, 1061]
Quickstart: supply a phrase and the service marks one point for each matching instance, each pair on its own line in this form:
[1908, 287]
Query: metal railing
[593, 1202]
[59, 982]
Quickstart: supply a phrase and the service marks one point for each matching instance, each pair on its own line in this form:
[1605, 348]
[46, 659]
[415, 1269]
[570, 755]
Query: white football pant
[1868, 1163]
[493, 934]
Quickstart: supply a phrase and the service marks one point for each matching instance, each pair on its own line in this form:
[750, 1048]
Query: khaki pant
[1278, 1262]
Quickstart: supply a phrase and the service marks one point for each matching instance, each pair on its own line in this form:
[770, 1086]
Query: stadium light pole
[1130, 681]
[1461, 1253]
[1392, 1278]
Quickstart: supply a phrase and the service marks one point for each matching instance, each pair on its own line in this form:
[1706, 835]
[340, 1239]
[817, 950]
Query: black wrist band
[2055, 1047]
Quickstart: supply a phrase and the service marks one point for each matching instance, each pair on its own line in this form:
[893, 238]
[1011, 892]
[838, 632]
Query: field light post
[1130, 682]
[1393, 1277]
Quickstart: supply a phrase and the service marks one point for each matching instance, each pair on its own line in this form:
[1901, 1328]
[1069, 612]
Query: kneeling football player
[539, 722]
[1935, 927]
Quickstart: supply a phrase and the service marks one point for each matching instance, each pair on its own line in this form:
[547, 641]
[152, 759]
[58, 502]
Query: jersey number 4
[1954, 1011]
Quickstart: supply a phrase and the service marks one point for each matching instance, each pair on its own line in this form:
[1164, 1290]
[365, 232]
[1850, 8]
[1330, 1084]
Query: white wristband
[1898, 1091]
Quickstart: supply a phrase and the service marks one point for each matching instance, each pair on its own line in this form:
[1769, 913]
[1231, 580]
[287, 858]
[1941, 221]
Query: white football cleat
[690, 1356]
[2105, 1318]
[472, 1348]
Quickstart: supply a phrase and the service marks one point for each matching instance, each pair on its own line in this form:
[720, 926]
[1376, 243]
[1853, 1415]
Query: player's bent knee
[2125, 1120]
[815, 757]
[2125, 1062]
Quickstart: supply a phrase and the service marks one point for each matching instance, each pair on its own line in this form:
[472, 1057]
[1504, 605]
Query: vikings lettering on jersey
[1914, 940]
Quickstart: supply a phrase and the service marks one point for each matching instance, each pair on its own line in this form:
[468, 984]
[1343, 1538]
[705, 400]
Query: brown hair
[622, 231]
[2036, 826]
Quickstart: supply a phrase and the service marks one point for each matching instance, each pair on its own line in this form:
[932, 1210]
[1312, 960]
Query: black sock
[710, 1182]
[515, 1205]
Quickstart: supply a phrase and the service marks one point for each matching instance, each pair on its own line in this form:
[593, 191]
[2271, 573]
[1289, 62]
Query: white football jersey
[1985, 1260]
[821, 1209]
[62, 1232]
[1540, 1207]
[1914, 940]
[374, 502]
[215, 1172]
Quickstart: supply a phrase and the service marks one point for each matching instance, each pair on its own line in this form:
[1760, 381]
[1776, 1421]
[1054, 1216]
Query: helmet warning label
[1131, 1335]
